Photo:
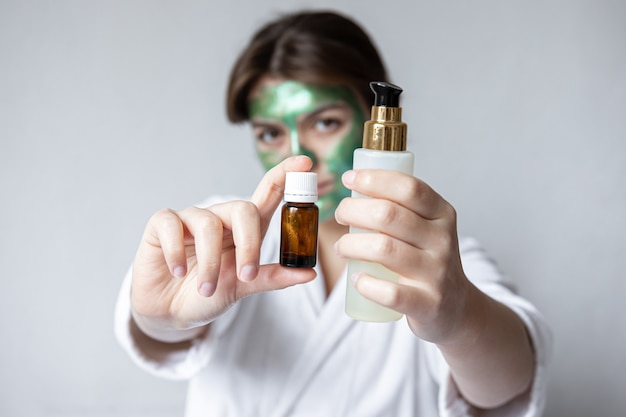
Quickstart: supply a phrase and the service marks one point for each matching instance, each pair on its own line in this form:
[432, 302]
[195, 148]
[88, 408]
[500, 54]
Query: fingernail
[348, 177]
[248, 272]
[206, 289]
[354, 278]
[179, 271]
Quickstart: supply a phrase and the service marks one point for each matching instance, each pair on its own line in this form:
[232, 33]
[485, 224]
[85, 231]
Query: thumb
[269, 192]
[276, 277]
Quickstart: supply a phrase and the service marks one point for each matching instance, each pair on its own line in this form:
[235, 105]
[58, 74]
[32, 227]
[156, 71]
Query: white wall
[112, 110]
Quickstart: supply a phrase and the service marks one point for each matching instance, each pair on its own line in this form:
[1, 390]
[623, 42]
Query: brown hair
[317, 47]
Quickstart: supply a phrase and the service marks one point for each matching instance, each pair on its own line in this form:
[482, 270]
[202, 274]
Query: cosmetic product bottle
[384, 147]
[299, 221]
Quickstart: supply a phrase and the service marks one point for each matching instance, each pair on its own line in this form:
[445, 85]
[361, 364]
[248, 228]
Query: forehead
[281, 98]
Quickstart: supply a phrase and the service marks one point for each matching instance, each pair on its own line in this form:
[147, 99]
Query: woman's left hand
[417, 239]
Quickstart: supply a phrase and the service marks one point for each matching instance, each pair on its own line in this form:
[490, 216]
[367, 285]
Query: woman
[200, 299]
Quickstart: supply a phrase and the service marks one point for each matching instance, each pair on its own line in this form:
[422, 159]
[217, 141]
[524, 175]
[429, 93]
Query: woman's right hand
[193, 264]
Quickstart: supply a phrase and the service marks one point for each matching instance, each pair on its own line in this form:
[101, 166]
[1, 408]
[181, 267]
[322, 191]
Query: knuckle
[450, 213]
[207, 222]
[436, 302]
[415, 188]
[162, 215]
[242, 208]
[391, 295]
[163, 219]
[385, 213]
[444, 242]
[383, 246]
[247, 208]
[209, 267]
[365, 179]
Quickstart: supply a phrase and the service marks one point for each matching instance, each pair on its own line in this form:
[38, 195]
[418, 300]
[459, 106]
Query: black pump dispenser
[386, 94]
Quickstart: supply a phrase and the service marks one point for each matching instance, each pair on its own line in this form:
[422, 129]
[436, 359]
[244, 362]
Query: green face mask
[285, 103]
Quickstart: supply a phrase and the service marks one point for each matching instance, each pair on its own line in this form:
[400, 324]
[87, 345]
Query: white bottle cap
[301, 187]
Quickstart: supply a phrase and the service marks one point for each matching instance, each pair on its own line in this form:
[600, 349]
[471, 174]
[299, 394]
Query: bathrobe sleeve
[168, 360]
[483, 272]
[176, 361]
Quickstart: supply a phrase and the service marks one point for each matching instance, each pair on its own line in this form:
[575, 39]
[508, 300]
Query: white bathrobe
[295, 353]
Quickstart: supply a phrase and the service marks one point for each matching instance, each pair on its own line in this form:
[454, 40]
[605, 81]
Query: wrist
[474, 319]
[491, 359]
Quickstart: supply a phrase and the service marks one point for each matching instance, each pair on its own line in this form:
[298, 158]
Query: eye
[327, 124]
[268, 135]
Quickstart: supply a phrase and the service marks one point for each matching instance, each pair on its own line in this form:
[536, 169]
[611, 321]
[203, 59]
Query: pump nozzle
[385, 131]
[386, 94]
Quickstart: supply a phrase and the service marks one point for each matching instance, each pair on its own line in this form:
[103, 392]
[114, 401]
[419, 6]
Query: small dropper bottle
[299, 221]
[384, 147]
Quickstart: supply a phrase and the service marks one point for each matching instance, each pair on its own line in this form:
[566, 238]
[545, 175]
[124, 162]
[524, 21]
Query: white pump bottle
[384, 147]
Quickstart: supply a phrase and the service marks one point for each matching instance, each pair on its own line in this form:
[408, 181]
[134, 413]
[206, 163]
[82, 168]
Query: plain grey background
[112, 110]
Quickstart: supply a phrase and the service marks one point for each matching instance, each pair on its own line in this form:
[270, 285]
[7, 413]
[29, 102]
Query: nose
[297, 148]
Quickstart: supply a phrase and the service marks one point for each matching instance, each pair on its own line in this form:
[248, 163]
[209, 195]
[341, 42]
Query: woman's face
[322, 122]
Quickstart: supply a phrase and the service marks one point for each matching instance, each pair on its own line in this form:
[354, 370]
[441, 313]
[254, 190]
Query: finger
[243, 219]
[269, 192]
[404, 189]
[401, 298]
[165, 230]
[392, 253]
[207, 230]
[389, 218]
[273, 277]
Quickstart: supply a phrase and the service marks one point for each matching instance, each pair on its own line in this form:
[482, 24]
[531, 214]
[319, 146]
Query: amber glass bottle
[299, 221]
